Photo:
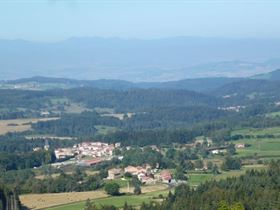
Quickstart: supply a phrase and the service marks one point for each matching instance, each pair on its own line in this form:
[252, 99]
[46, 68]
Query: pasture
[258, 131]
[196, 178]
[266, 148]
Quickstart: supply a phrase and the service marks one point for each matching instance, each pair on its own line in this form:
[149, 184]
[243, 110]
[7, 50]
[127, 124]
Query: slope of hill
[198, 84]
[249, 91]
[274, 75]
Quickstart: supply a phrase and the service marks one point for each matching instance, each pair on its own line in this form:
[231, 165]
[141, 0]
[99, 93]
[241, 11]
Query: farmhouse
[164, 176]
[91, 162]
[240, 146]
[217, 150]
[138, 170]
[64, 153]
[115, 173]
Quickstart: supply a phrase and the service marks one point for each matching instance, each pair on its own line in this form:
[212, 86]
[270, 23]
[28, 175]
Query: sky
[54, 20]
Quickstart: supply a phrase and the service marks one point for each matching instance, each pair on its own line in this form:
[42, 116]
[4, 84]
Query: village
[145, 174]
[87, 154]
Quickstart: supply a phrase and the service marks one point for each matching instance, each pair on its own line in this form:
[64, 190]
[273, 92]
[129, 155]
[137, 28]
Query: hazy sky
[52, 20]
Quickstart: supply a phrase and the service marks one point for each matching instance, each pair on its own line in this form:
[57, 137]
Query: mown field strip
[42, 201]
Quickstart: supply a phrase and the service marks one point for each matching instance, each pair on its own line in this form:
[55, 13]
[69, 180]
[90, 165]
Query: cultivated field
[20, 125]
[134, 200]
[42, 201]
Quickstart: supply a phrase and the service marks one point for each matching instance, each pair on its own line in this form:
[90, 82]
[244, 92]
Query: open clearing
[120, 116]
[265, 148]
[196, 178]
[20, 125]
[103, 129]
[261, 148]
[258, 131]
[42, 201]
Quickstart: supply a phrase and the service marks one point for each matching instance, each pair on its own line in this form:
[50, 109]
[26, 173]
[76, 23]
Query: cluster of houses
[232, 108]
[144, 173]
[89, 149]
[223, 149]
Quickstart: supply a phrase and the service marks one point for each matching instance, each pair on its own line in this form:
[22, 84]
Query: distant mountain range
[198, 84]
[139, 60]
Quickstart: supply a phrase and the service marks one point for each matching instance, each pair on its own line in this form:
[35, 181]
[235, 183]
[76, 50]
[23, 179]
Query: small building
[117, 145]
[115, 173]
[45, 113]
[164, 176]
[63, 153]
[147, 180]
[146, 169]
[131, 169]
[92, 162]
[240, 146]
[215, 152]
[36, 149]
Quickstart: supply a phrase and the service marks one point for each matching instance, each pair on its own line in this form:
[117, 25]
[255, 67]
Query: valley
[74, 144]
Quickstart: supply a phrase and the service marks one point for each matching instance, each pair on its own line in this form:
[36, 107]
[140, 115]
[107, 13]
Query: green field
[196, 178]
[273, 114]
[258, 131]
[259, 147]
[121, 183]
[134, 200]
[103, 129]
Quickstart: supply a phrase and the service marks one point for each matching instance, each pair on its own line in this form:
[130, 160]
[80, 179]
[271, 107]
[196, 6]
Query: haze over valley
[139, 60]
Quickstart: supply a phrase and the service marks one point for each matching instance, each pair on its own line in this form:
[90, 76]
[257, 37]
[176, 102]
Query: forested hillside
[249, 92]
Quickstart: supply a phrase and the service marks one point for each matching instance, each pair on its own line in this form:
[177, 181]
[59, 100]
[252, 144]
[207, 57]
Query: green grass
[101, 110]
[76, 108]
[134, 200]
[260, 147]
[121, 183]
[257, 131]
[103, 130]
[196, 178]
[273, 114]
